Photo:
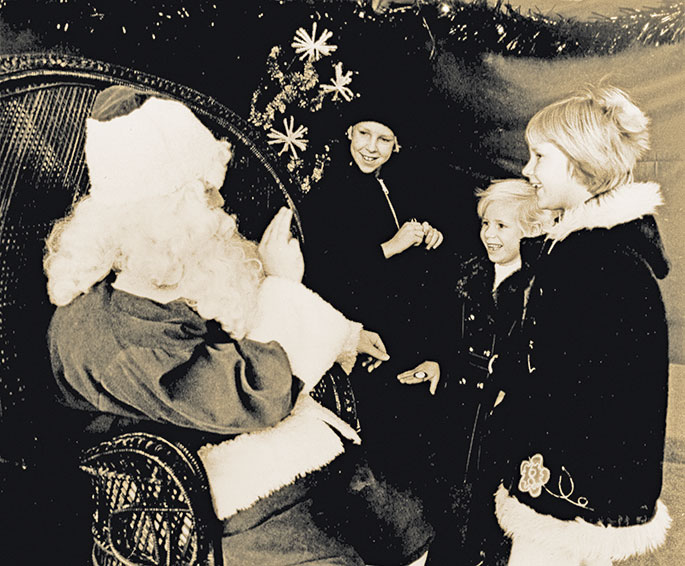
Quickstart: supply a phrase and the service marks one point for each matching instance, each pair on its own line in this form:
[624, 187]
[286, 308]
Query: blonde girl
[582, 425]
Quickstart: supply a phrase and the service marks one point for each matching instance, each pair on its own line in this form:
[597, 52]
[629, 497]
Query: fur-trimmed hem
[578, 537]
[313, 333]
[252, 466]
[617, 206]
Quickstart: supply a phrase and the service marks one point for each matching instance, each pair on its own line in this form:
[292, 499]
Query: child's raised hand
[425, 371]
[410, 234]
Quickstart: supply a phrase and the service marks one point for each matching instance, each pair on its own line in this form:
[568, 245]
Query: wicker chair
[151, 501]
[152, 504]
[151, 497]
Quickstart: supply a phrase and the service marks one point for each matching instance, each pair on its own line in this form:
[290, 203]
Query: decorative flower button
[533, 475]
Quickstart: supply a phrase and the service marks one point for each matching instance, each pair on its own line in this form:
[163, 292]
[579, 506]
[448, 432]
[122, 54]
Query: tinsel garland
[450, 24]
[501, 28]
[506, 30]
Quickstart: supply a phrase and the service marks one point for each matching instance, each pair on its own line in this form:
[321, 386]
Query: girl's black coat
[480, 321]
[345, 220]
[590, 396]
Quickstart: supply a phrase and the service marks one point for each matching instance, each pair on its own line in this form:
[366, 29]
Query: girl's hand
[432, 236]
[425, 371]
[280, 252]
[410, 234]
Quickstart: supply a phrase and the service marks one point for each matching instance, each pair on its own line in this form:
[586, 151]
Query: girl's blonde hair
[173, 242]
[601, 131]
[522, 196]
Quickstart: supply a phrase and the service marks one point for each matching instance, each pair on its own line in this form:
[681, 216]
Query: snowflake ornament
[311, 48]
[292, 140]
[338, 85]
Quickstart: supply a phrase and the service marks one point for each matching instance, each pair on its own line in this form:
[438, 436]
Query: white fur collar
[617, 206]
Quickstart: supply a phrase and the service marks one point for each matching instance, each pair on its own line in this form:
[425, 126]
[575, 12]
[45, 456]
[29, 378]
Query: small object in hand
[420, 374]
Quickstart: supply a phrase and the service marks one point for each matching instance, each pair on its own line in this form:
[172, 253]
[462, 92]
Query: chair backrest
[44, 101]
[152, 504]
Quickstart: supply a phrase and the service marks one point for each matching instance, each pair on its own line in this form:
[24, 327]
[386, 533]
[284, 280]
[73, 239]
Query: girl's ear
[348, 133]
[396, 146]
[535, 230]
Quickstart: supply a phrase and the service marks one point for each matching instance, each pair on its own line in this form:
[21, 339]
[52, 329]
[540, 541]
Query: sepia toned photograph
[342, 282]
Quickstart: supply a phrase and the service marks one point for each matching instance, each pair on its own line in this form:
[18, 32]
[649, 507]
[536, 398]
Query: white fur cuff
[252, 466]
[585, 541]
[312, 333]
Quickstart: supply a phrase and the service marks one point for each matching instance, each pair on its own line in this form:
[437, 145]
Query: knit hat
[390, 97]
[139, 145]
[372, 107]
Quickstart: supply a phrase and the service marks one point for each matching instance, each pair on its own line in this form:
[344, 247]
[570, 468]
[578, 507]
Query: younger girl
[490, 299]
[489, 302]
[582, 425]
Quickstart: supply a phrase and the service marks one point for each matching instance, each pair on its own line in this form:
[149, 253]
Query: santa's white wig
[147, 214]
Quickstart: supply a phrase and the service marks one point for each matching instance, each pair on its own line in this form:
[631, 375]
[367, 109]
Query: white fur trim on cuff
[312, 332]
[252, 466]
[584, 540]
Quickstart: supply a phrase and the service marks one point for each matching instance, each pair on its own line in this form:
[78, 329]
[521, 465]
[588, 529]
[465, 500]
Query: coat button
[472, 317]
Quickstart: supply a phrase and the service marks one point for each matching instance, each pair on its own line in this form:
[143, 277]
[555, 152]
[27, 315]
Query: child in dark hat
[376, 247]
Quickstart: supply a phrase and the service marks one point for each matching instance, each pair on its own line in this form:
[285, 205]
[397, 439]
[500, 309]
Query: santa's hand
[371, 344]
[432, 236]
[280, 252]
[425, 371]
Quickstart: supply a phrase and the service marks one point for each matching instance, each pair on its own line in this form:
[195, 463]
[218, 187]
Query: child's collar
[617, 206]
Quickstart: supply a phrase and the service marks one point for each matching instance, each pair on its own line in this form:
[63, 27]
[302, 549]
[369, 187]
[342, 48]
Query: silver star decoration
[292, 139]
[311, 48]
[339, 84]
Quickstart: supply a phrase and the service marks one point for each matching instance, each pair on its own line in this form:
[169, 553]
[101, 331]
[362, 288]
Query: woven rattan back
[151, 504]
[44, 102]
